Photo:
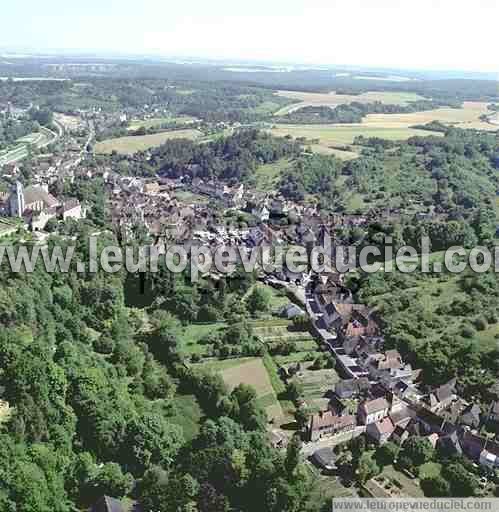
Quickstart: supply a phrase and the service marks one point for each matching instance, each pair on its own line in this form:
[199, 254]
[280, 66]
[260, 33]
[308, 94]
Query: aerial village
[379, 395]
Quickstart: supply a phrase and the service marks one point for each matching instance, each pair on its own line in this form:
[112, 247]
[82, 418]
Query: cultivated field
[466, 117]
[332, 99]
[386, 126]
[130, 145]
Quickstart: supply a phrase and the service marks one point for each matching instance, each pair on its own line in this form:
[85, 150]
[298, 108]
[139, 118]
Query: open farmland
[466, 117]
[387, 126]
[130, 145]
[332, 99]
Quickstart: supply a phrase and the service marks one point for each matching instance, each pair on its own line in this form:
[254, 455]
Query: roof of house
[372, 406]
[325, 457]
[393, 354]
[291, 311]
[473, 445]
[36, 194]
[471, 415]
[70, 204]
[384, 427]
[351, 386]
[329, 419]
[443, 393]
[403, 416]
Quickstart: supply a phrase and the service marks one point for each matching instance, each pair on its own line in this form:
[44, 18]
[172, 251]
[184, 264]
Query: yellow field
[332, 99]
[466, 117]
[386, 126]
[130, 145]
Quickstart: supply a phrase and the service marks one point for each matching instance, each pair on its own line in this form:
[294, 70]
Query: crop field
[130, 145]
[326, 138]
[466, 117]
[332, 99]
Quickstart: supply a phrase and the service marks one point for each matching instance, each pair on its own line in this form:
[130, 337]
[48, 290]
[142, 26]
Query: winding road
[45, 138]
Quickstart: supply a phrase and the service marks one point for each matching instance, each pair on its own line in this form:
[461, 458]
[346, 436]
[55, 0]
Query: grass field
[186, 196]
[268, 175]
[219, 365]
[430, 469]
[266, 107]
[135, 124]
[278, 299]
[339, 153]
[130, 145]
[194, 333]
[330, 135]
[332, 99]
[188, 415]
[254, 373]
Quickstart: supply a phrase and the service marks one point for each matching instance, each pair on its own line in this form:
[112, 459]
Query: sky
[410, 34]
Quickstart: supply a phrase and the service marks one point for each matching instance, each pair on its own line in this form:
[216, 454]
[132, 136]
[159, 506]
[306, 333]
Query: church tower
[17, 201]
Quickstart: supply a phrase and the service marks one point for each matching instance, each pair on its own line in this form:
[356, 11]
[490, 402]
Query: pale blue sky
[432, 34]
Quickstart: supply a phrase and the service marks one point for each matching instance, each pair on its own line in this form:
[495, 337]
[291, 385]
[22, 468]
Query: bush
[481, 323]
